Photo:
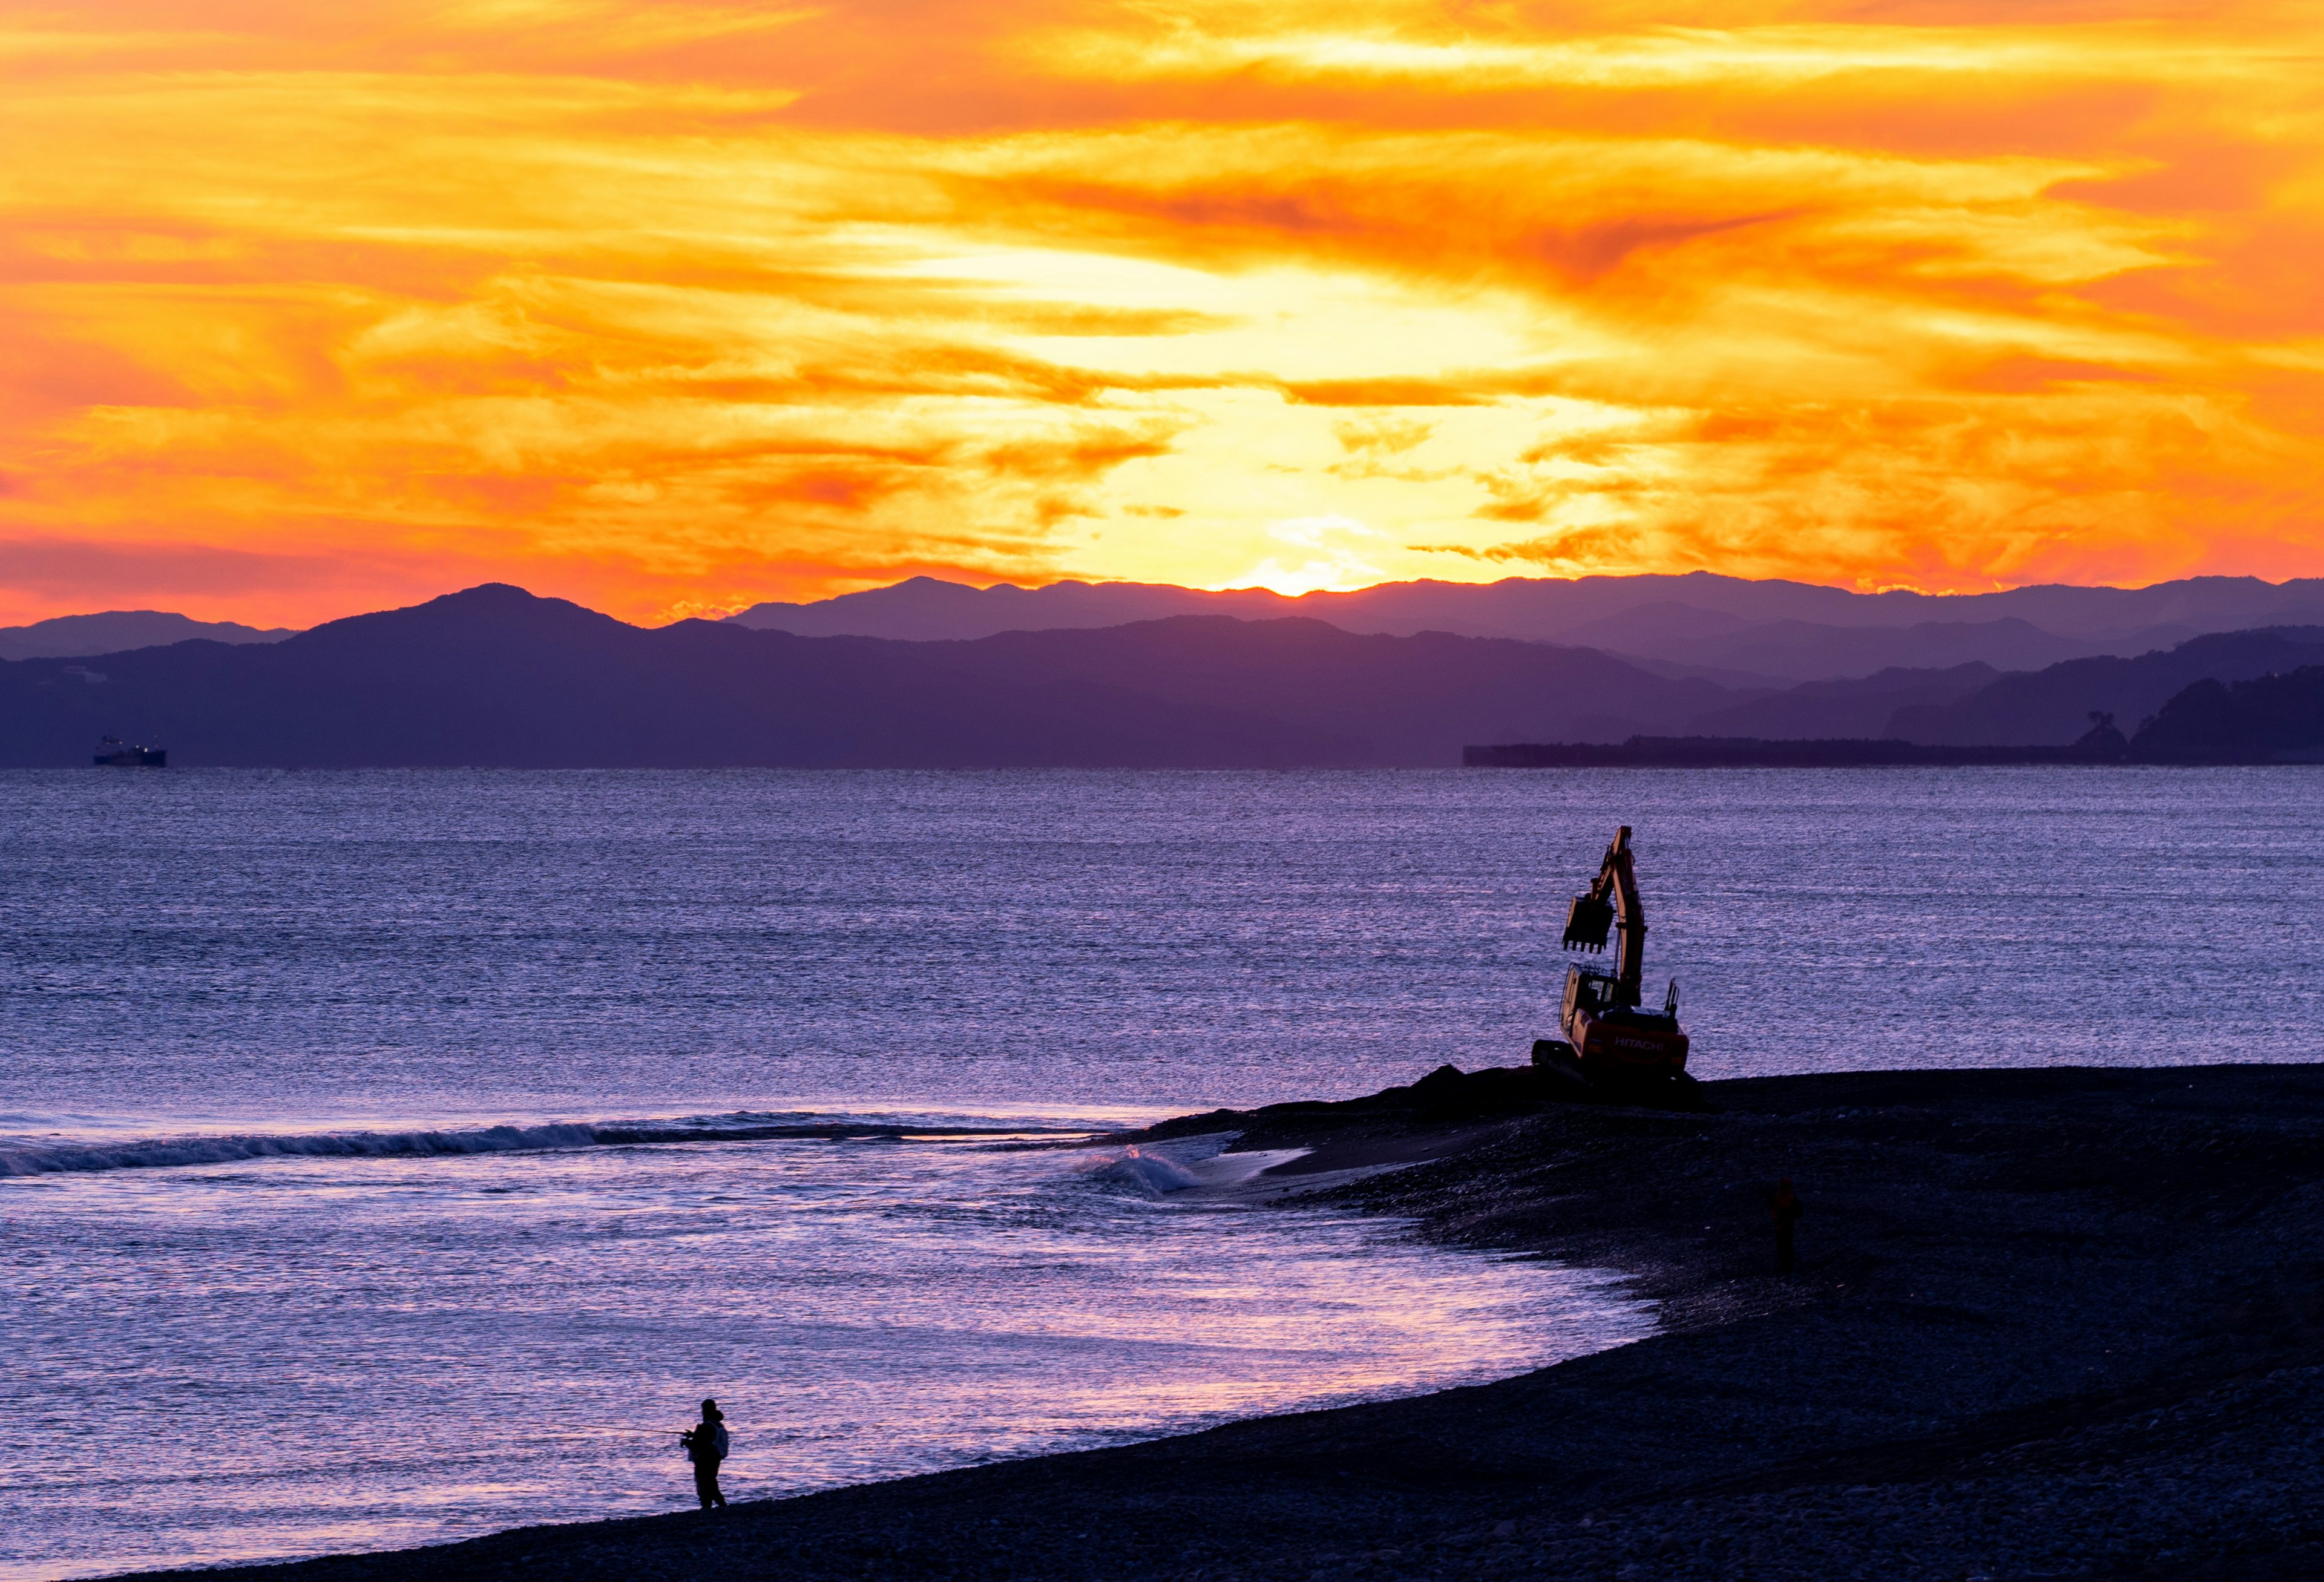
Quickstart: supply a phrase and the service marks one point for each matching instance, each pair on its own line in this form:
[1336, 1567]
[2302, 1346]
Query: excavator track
[1570, 1080]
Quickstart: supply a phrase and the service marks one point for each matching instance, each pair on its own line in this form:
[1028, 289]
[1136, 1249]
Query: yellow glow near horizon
[672, 308]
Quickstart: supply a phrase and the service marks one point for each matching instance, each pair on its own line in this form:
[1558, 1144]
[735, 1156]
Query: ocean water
[391, 1156]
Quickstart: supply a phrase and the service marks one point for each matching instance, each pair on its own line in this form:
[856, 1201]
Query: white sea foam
[30, 1157]
[23, 1157]
[1142, 1168]
[1233, 1169]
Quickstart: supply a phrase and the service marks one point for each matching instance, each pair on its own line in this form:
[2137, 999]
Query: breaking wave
[1148, 1173]
[21, 1156]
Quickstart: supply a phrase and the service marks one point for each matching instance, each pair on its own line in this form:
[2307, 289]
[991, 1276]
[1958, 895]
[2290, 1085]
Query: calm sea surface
[391, 1156]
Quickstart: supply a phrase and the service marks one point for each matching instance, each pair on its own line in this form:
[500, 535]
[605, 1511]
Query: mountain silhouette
[1785, 631]
[495, 676]
[1801, 651]
[2054, 704]
[113, 631]
[1838, 709]
[2268, 719]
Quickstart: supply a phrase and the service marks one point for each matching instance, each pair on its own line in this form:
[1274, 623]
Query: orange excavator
[1611, 1041]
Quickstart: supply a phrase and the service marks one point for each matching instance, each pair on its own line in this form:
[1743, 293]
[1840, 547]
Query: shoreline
[2048, 1322]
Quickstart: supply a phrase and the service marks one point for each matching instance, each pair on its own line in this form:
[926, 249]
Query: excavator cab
[1601, 992]
[1594, 992]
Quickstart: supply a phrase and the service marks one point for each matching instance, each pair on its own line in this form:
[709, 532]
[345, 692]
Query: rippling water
[396, 1155]
[300, 1353]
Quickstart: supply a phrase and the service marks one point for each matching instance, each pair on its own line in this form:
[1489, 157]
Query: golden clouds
[668, 307]
[1773, 57]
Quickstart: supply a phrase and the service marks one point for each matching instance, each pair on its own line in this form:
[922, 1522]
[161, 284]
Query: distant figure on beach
[1787, 1214]
[705, 1446]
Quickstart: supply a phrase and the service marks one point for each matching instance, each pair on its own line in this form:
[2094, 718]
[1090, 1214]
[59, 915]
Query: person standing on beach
[1787, 1214]
[707, 1444]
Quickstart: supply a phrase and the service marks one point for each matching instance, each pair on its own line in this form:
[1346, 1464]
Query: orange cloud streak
[672, 307]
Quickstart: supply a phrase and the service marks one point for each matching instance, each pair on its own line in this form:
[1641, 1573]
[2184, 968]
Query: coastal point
[2064, 1322]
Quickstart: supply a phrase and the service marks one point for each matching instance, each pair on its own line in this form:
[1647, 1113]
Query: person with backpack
[707, 1444]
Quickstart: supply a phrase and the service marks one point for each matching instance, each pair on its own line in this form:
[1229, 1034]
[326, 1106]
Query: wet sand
[2046, 1323]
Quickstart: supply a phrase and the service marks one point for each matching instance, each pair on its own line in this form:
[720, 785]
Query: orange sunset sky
[308, 309]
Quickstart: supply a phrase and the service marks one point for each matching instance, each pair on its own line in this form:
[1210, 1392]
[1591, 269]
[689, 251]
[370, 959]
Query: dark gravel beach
[2046, 1323]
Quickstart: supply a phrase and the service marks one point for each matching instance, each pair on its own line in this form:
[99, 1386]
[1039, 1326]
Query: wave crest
[25, 1156]
[1148, 1173]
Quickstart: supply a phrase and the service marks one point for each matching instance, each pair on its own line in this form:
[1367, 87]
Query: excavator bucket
[1587, 923]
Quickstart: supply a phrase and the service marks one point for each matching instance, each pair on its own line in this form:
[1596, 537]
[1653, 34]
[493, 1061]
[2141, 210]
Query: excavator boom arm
[1617, 884]
[1613, 905]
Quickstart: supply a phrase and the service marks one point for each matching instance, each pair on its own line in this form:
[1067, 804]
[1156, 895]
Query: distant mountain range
[2053, 704]
[495, 676]
[73, 637]
[1865, 706]
[2276, 718]
[1728, 630]
[1745, 635]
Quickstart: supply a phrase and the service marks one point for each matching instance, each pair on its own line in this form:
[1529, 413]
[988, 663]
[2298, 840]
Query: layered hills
[2269, 719]
[496, 677]
[2054, 703]
[70, 637]
[1731, 630]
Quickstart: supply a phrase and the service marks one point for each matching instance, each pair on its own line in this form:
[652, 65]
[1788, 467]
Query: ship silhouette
[112, 752]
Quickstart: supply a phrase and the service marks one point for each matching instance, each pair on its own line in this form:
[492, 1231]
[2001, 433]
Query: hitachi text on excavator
[1611, 1042]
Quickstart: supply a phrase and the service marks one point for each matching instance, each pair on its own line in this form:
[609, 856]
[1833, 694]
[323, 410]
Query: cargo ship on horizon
[112, 752]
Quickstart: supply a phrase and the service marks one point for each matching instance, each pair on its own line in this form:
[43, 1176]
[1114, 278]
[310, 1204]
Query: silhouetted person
[705, 1446]
[1787, 1214]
